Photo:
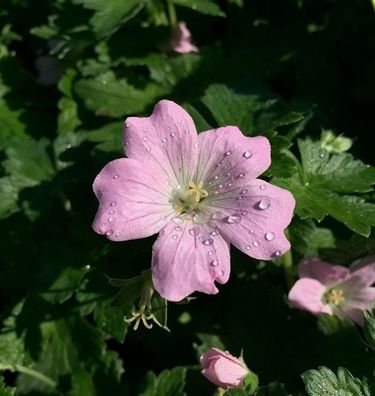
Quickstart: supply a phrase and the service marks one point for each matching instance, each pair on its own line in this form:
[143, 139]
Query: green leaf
[369, 329]
[236, 392]
[273, 389]
[331, 324]
[171, 382]
[131, 290]
[308, 239]
[324, 382]
[11, 124]
[111, 14]
[322, 180]
[6, 390]
[203, 6]
[108, 137]
[110, 97]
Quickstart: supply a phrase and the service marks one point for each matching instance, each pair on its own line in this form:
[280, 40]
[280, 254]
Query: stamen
[334, 297]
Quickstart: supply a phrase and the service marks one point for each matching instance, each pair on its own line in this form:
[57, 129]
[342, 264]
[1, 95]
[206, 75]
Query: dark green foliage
[288, 70]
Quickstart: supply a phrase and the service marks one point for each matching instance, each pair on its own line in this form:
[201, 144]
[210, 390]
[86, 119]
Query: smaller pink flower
[181, 40]
[223, 369]
[334, 289]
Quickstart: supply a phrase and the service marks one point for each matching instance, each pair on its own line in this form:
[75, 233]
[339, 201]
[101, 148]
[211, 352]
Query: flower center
[190, 198]
[334, 297]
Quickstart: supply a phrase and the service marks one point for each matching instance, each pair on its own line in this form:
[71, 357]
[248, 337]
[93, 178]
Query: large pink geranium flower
[200, 192]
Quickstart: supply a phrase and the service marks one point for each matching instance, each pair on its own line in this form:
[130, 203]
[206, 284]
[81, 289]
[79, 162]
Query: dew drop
[148, 149]
[117, 234]
[144, 129]
[228, 173]
[220, 186]
[174, 236]
[256, 243]
[145, 138]
[113, 203]
[111, 219]
[213, 233]
[243, 212]
[270, 236]
[239, 198]
[247, 247]
[229, 184]
[218, 164]
[172, 134]
[186, 131]
[208, 242]
[164, 140]
[177, 220]
[216, 177]
[247, 154]
[163, 218]
[116, 177]
[277, 253]
[234, 218]
[214, 263]
[178, 228]
[228, 153]
[262, 187]
[109, 232]
[210, 253]
[221, 273]
[264, 204]
[111, 212]
[241, 175]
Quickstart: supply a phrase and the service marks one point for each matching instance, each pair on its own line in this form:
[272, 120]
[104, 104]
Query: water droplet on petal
[145, 138]
[228, 173]
[221, 273]
[116, 177]
[262, 187]
[270, 236]
[210, 253]
[247, 154]
[228, 153]
[213, 233]
[229, 184]
[241, 175]
[234, 218]
[277, 253]
[239, 198]
[111, 212]
[218, 164]
[164, 140]
[247, 247]
[177, 220]
[264, 204]
[186, 131]
[144, 129]
[163, 218]
[111, 219]
[214, 263]
[113, 203]
[216, 177]
[243, 212]
[109, 232]
[256, 243]
[172, 134]
[178, 228]
[148, 149]
[117, 234]
[244, 191]
[174, 236]
[208, 242]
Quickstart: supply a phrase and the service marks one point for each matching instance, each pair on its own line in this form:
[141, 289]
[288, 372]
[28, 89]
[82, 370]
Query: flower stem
[287, 262]
[29, 371]
[172, 13]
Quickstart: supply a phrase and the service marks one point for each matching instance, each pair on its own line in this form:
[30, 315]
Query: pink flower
[181, 40]
[223, 369]
[199, 191]
[334, 289]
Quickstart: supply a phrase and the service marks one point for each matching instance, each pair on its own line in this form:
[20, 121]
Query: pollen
[196, 191]
[189, 199]
[335, 297]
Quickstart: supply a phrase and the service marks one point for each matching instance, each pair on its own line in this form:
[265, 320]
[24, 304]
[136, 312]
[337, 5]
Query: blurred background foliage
[70, 73]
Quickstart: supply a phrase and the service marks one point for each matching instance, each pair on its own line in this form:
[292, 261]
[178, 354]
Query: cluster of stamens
[334, 297]
[187, 201]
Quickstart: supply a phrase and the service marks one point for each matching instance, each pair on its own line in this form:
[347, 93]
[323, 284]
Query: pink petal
[312, 267]
[181, 40]
[226, 150]
[365, 271]
[307, 294]
[357, 300]
[187, 258]
[252, 215]
[213, 353]
[228, 373]
[133, 202]
[166, 141]
[210, 374]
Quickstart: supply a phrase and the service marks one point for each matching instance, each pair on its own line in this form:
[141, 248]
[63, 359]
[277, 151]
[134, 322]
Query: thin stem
[29, 371]
[287, 262]
[172, 13]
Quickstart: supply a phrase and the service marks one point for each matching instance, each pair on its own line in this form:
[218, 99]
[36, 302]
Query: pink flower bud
[223, 369]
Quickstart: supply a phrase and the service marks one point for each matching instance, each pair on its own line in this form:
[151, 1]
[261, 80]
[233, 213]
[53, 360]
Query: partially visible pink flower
[181, 40]
[334, 289]
[223, 369]
[200, 191]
